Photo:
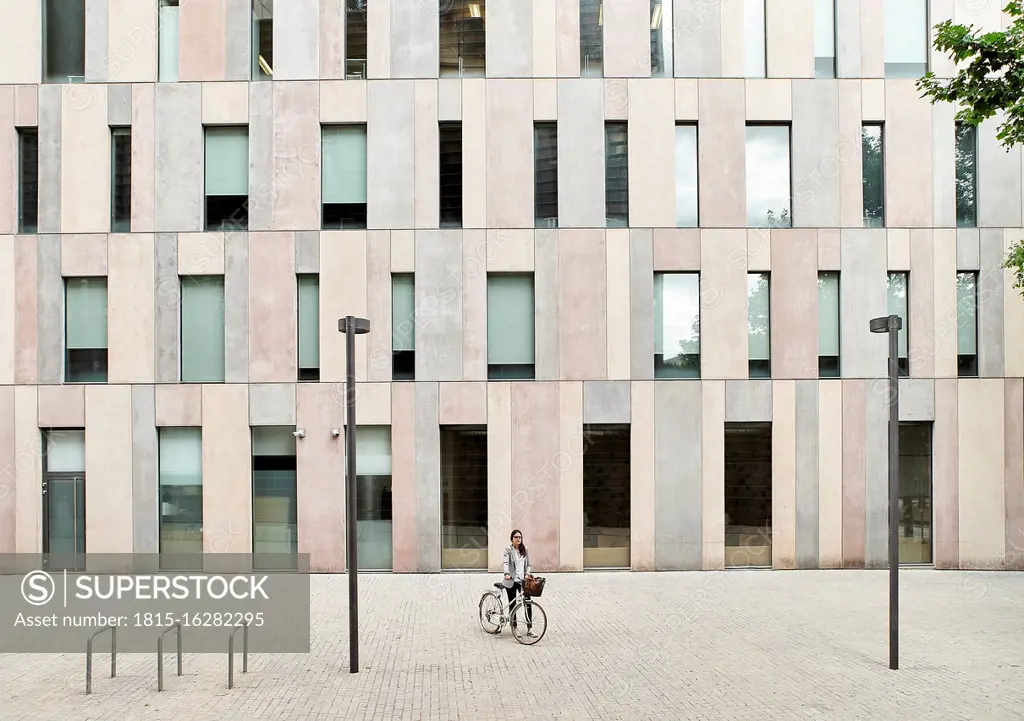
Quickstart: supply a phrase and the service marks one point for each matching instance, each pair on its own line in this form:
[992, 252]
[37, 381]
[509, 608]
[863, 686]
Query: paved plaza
[726, 645]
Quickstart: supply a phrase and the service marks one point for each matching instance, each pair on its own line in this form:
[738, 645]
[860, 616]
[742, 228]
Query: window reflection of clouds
[768, 184]
[686, 176]
[906, 38]
[680, 331]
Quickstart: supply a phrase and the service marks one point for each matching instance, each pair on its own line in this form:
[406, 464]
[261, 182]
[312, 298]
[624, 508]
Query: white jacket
[508, 566]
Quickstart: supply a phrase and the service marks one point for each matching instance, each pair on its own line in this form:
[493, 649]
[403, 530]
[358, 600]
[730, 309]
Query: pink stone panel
[8, 474]
[536, 484]
[829, 249]
[8, 309]
[794, 304]
[343, 275]
[8, 162]
[462, 403]
[131, 315]
[26, 310]
[201, 29]
[945, 491]
[582, 323]
[108, 469]
[62, 406]
[569, 465]
[922, 323]
[1014, 474]
[227, 470]
[643, 501]
[474, 305]
[179, 405]
[676, 249]
[83, 255]
[321, 478]
[296, 156]
[26, 106]
[143, 157]
[403, 477]
[332, 38]
[854, 473]
[28, 491]
[908, 156]
[273, 315]
[378, 305]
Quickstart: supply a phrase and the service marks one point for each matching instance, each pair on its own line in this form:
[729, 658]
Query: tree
[990, 80]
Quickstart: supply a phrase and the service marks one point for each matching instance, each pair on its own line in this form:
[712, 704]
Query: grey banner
[51, 604]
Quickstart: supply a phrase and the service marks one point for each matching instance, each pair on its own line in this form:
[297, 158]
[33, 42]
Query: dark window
[872, 143]
[343, 176]
[355, 39]
[28, 180]
[451, 175]
[616, 174]
[121, 180]
[545, 174]
[591, 38]
[463, 41]
[263, 39]
[64, 41]
[966, 175]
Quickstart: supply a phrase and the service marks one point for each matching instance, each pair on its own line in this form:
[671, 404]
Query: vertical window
[344, 176]
[64, 498]
[168, 57]
[899, 304]
[661, 39]
[768, 176]
[606, 495]
[824, 38]
[202, 329]
[545, 175]
[967, 324]
[463, 51]
[181, 496]
[64, 41]
[403, 327]
[510, 324]
[828, 325]
[85, 330]
[759, 325]
[873, 160]
[451, 174]
[616, 174]
[355, 39]
[966, 175]
[755, 58]
[309, 327]
[262, 39]
[374, 512]
[121, 180]
[676, 325]
[686, 176]
[591, 38]
[227, 178]
[906, 38]
[915, 484]
[28, 180]
[274, 493]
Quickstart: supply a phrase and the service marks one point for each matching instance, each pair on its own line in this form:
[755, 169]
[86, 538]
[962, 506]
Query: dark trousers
[511, 599]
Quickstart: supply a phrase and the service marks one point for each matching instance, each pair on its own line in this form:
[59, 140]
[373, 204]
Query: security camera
[299, 433]
[335, 432]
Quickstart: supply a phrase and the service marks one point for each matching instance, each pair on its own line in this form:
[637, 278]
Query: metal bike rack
[88, 656]
[231, 652]
[160, 655]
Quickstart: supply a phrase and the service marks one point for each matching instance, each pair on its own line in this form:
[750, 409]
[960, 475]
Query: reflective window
[510, 326]
[63, 41]
[262, 39]
[274, 493]
[343, 176]
[824, 38]
[915, 528]
[686, 176]
[85, 332]
[677, 325]
[899, 304]
[759, 341]
[616, 174]
[308, 286]
[202, 329]
[906, 38]
[64, 499]
[464, 515]
[120, 180]
[28, 180]
[967, 324]
[755, 53]
[463, 44]
[374, 510]
[168, 53]
[661, 39]
[748, 494]
[181, 497]
[403, 327]
[966, 175]
[227, 178]
[768, 176]
[591, 38]
[355, 39]
[873, 167]
[828, 325]
[545, 174]
[606, 496]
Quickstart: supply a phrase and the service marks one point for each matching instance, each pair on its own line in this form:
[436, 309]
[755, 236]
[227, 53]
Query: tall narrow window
[676, 325]
[686, 176]
[227, 178]
[545, 174]
[355, 39]
[661, 39]
[274, 498]
[616, 174]
[63, 41]
[168, 56]
[510, 326]
[966, 175]
[181, 497]
[451, 175]
[828, 325]
[403, 327]
[85, 332]
[759, 325]
[344, 176]
[202, 329]
[64, 499]
[906, 38]
[309, 327]
[591, 38]
[873, 167]
[755, 59]
[374, 512]
[824, 38]
[463, 39]
[967, 324]
[28, 180]
[262, 39]
[121, 180]
[768, 176]
[899, 304]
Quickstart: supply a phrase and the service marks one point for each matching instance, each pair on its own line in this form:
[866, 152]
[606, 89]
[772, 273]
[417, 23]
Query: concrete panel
[50, 157]
[374, 401]
[108, 467]
[998, 178]
[652, 200]
[784, 475]
[462, 403]
[378, 305]
[854, 429]
[202, 32]
[816, 154]
[510, 163]
[296, 164]
[721, 154]
[829, 249]
[343, 274]
[414, 39]
[872, 38]
[507, 251]
[237, 40]
[378, 39]
[700, 54]
[167, 308]
[713, 400]
[1013, 470]
[748, 401]
[759, 250]
[544, 42]
[876, 504]
[687, 102]
[85, 161]
[143, 158]
[343, 101]
[297, 40]
[9, 158]
[84, 254]
[390, 149]
[51, 309]
[179, 156]
[981, 464]
[474, 306]
[28, 472]
[439, 273]
[273, 316]
[307, 251]
[938, 62]
[1013, 316]
[201, 253]
[272, 404]
[581, 147]
[26, 311]
[449, 99]
[606, 402]
[62, 406]
[8, 312]
[917, 399]
[945, 469]
[794, 306]
[582, 307]
[225, 104]
[131, 312]
[510, 39]
[619, 306]
[568, 469]
[734, 43]
[499, 472]
[908, 157]
[567, 38]
[9, 453]
[97, 43]
[770, 100]
[536, 481]
[643, 489]
[403, 251]
[546, 295]
[968, 249]
[872, 103]
[898, 249]
[944, 305]
[145, 464]
[132, 41]
[789, 35]
[641, 292]
[723, 304]
[829, 476]
[227, 470]
[627, 38]
[179, 405]
[428, 479]
[864, 296]
[236, 308]
[403, 477]
[991, 280]
[261, 156]
[428, 148]
[474, 153]
[676, 249]
[21, 34]
[678, 483]
[849, 155]
[943, 165]
[119, 105]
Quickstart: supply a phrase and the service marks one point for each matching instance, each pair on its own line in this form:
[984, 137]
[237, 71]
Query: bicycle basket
[534, 587]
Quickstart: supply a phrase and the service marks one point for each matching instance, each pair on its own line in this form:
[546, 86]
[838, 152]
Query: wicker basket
[534, 587]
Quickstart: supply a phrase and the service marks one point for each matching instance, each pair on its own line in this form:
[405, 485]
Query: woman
[516, 564]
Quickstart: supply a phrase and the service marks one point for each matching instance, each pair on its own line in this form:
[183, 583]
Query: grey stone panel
[168, 308]
[296, 35]
[581, 154]
[272, 404]
[545, 293]
[748, 401]
[236, 308]
[876, 450]
[863, 288]
[261, 156]
[943, 165]
[390, 151]
[697, 26]
[509, 39]
[439, 300]
[991, 282]
[428, 479]
[119, 105]
[815, 152]
[917, 399]
[848, 41]
[307, 251]
[415, 40]
[179, 157]
[50, 108]
[999, 181]
[678, 495]
[50, 294]
[641, 304]
[606, 402]
[968, 249]
[97, 58]
[145, 482]
[807, 474]
[238, 39]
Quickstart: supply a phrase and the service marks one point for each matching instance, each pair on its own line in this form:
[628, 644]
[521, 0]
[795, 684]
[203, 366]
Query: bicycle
[493, 617]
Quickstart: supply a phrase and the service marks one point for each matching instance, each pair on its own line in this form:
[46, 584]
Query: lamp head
[885, 324]
[360, 326]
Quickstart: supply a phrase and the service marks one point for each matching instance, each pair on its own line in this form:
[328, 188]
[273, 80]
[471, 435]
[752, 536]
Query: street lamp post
[892, 325]
[351, 327]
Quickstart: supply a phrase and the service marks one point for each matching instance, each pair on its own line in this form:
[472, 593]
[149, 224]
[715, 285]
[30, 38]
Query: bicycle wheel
[532, 631]
[490, 613]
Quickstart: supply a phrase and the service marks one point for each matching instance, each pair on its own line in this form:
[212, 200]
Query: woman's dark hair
[522, 546]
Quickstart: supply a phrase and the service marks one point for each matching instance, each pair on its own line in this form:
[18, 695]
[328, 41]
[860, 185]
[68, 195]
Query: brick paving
[728, 645]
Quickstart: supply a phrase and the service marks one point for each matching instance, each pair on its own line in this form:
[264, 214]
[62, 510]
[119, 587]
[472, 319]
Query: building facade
[619, 260]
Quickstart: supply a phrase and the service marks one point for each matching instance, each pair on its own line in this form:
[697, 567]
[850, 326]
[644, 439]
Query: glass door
[64, 521]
